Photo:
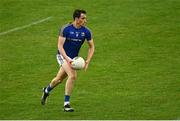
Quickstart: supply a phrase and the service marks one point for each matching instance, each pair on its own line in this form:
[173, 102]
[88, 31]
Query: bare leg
[61, 75]
[72, 74]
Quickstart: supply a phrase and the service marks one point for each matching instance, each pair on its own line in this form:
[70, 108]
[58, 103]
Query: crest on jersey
[82, 34]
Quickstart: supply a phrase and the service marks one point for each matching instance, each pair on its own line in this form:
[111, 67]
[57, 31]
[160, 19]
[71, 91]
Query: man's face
[82, 19]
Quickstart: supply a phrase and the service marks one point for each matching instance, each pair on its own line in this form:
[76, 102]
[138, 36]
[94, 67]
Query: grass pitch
[135, 72]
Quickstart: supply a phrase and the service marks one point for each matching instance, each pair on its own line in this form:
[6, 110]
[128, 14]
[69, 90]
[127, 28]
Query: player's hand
[86, 65]
[69, 61]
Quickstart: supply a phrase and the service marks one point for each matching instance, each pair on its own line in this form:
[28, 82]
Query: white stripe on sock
[46, 91]
[65, 103]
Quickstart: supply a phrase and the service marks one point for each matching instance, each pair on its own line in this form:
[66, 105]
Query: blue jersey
[75, 37]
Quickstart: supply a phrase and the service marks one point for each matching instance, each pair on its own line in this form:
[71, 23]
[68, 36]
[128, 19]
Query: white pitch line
[25, 26]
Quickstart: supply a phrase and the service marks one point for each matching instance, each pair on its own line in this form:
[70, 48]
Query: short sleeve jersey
[74, 38]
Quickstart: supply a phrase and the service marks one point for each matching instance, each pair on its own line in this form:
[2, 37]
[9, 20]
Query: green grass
[135, 72]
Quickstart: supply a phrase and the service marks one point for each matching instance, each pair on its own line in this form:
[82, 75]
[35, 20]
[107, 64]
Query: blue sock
[48, 89]
[67, 97]
[66, 100]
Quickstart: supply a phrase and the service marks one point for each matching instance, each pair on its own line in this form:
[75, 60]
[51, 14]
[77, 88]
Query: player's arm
[61, 41]
[90, 53]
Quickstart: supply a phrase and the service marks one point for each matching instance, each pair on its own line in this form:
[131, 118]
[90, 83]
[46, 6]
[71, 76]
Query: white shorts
[60, 59]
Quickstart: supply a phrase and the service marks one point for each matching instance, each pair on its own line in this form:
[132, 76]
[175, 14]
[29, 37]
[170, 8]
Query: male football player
[71, 37]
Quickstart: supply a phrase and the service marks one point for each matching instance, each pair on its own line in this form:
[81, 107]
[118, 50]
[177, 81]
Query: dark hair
[77, 13]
